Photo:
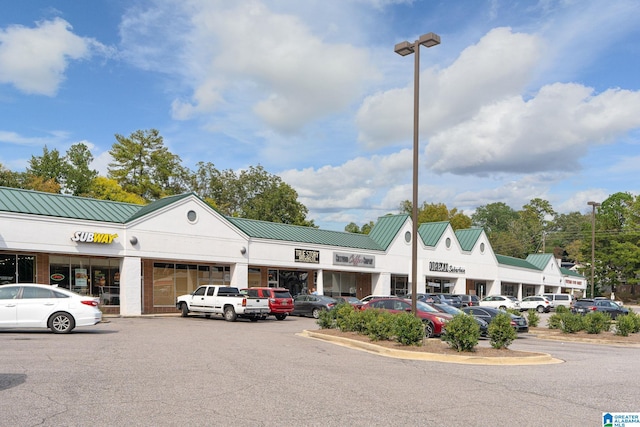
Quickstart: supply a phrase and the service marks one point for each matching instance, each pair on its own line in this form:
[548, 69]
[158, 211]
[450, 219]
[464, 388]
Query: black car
[446, 308]
[312, 305]
[584, 306]
[487, 314]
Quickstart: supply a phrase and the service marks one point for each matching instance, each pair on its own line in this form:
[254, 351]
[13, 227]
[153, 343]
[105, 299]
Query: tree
[352, 227]
[253, 194]
[78, 174]
[144, 166]
[49, 166]
[108, 189]
[435, 212]
[494, 217]
[9, 178]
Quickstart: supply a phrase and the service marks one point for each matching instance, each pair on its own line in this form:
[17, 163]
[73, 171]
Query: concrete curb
[534, 359]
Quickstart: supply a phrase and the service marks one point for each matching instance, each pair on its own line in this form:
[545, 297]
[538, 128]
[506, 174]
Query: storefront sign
[307, 255]
[354, 260]
[444, 267]
[90, 237]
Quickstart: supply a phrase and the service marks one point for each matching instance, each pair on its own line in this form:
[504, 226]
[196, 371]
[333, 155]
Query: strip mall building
[137, 259]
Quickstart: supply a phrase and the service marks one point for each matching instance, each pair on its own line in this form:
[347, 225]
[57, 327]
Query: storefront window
[399, 285]
[254, 277]
[338, 284]
[171, 280]
[98, 277]
[17, 268]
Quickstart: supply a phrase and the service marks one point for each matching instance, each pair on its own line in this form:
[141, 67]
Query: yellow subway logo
[91, 237]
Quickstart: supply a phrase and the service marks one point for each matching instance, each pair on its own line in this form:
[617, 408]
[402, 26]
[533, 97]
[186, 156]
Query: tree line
[144, 170]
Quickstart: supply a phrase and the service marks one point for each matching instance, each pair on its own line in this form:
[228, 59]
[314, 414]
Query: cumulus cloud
[34, 60]
[246, 53]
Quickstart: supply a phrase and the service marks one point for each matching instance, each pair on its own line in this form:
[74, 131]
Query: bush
[636, 319]
[462, 333]
[381, 326]
[345, 316]
[562, 309]
[517, 312]
[327, 319]
[408, 329]
[596, 322]
[555, 321]
[571, 323]
[501, 333]
[533, 318]
[625, 325]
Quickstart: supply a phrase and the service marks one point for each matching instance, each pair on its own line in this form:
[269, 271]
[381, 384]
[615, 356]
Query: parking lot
[169, 370]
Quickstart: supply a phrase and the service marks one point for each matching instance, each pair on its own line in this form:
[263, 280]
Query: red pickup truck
[280, 300]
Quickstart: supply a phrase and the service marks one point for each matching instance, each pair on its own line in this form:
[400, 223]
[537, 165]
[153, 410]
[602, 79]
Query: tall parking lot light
[405, 48]
[593, 244]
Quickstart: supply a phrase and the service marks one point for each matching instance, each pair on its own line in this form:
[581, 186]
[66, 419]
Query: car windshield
[449, 309]
[425, 307]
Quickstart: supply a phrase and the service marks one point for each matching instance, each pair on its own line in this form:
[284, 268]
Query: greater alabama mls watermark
[620, 419]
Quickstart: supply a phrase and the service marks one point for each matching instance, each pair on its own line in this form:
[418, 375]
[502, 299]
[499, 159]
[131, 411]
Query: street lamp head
[594, 204]
[429, 40]
[403, 48]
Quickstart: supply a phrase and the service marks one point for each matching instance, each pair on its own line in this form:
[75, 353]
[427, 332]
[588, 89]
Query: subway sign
[93, 237]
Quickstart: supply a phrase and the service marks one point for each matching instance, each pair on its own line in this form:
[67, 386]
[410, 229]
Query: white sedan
[29, 305]
[500, 301]
[536, 302]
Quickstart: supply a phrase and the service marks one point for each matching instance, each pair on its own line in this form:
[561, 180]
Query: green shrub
[361, 320]
[596, 322]
[571, 323]
[533, 318]
[327, 319]
[625, 325]
[462, 333]
[636, 319]
[381, 326]
[555, 321]
[345, 316]
[501, 333]
[408, 329]
[514, 311]
[562, 309]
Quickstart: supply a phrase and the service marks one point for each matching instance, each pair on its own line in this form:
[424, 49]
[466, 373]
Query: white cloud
[34, 60]
[245, 53]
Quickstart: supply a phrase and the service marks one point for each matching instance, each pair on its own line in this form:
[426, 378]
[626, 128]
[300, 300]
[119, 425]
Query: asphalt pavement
[166, 371]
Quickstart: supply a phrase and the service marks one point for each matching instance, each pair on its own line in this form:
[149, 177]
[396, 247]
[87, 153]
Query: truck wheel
[184, 309]
[230, 314]
[281, 316]
[315, 313]
[254, 319]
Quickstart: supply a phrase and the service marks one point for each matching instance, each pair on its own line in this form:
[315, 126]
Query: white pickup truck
[224, 300]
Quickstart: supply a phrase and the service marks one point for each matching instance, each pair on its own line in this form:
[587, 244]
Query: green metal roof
[386, 229]
[468, 238]
[430, 232]
[296, 233]
[540, 260]
[158, 204]
[57, 205]
[515, 262]
[568, 272]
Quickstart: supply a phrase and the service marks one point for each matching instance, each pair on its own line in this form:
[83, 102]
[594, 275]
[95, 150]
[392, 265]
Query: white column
[131, 286]
[239, 275]
[319, 282]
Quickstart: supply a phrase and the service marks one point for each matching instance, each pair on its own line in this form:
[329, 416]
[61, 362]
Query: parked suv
[584, 306]
[469, 300]
[500, 301]
[561, 299]
[280, 300]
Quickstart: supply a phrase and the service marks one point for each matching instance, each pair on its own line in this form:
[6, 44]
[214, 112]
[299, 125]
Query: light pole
[405, 48]
[593, 244]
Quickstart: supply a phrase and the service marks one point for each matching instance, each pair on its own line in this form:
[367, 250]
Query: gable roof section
[540, 260]
[296, 233]
[515, 262]
[158, 204]
[387, 228]
[568, 272]
[468, 238]
[57, 205]
[430, 232]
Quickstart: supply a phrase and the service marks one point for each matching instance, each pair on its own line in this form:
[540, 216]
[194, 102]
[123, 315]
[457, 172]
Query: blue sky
[522, 99]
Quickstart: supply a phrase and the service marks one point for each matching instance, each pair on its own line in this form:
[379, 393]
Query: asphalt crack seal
[11, 380]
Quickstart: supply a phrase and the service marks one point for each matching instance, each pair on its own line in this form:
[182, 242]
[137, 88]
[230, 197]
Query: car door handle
[10, 305]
